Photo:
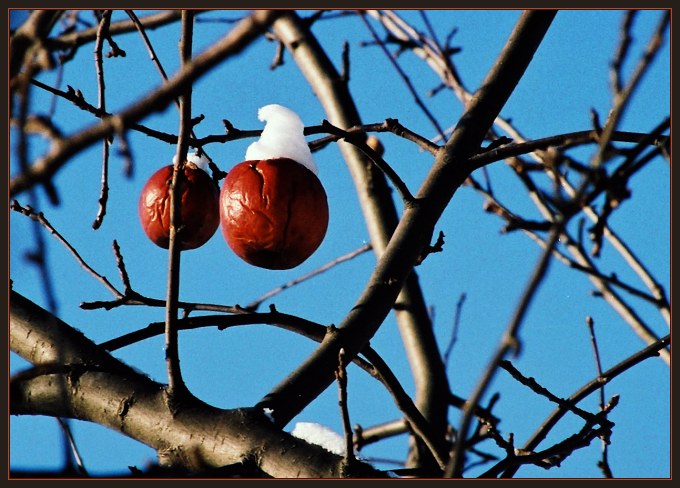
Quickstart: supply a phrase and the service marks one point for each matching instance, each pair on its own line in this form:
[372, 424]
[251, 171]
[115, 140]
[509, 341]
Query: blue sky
[568, 77]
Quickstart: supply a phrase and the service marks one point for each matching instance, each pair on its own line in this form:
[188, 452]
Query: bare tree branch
[594, 385]
[448, 173]
[176, 387]
[233, 43]
[99, 388]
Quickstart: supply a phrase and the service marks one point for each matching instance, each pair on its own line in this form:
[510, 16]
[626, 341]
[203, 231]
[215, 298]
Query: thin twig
[176, 386]
[76, 97]
[454, 330]
[292, 323]
[233, 43]
[389, 125]
[622, 51]
[133, 298]
[541, 390]
[404, 77]
[39, 217]
[509, 342]
[399, 184]
[344, 72]
[252, 306]
[77, 458]
[124, 277]
[604, 463]
[341, 377]
[622, 97]
[152, 53]
[102, 32]
[416, 421]
[594, 385]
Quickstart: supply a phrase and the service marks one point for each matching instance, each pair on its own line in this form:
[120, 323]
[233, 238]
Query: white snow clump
[321, 436]
[200, 161]
[282, 137]
[269, 413]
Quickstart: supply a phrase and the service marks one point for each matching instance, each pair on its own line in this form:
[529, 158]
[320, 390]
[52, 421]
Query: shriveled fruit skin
[274, 212]
[199, 214]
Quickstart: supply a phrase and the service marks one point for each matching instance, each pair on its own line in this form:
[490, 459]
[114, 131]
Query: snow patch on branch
[321, 436]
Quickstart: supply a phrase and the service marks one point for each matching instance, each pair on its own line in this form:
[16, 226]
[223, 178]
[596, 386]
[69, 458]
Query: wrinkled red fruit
[274, 212]
[200, 215]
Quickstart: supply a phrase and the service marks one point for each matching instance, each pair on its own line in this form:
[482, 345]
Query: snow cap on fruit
[200, 161]
[282, 137]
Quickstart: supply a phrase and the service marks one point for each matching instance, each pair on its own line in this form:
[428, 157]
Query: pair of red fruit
[273, 212]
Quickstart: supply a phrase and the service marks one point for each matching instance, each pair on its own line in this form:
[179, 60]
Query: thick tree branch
[86, 383]
[442, 66]
[381, 219]
[412, 233]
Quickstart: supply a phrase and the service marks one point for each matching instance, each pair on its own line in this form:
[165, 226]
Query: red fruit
[200, 215]
[274, 212]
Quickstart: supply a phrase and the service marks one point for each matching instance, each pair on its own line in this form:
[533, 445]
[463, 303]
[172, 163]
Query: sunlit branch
[363, 436]
[95, 381]
[402, 30]
[404, 77]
